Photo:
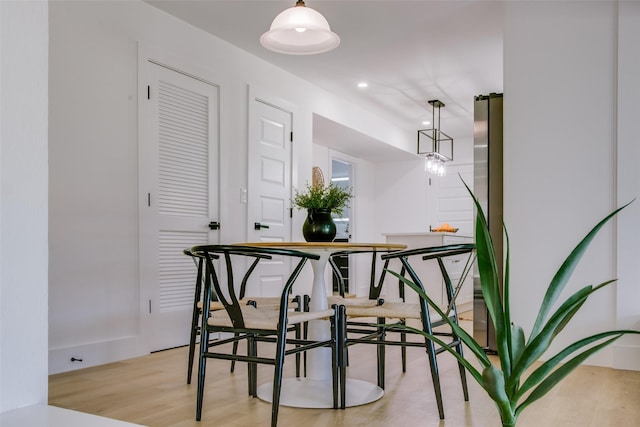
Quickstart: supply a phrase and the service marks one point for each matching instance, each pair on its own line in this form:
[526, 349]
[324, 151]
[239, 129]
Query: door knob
[258, 226]
[214, 225]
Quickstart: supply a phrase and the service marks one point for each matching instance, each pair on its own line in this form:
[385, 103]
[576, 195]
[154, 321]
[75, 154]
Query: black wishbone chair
[264, 302]
[391, 314]
[252, 324]
[197, 311]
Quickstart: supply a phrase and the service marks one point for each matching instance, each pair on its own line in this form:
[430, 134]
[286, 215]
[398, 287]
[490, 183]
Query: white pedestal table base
[307, 393]
[316, 390]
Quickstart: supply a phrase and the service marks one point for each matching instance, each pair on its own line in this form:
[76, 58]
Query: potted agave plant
[515, 383]
[320, 201]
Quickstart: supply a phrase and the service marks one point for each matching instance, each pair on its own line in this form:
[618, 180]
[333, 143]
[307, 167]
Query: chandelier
[300, 30]
[435, 145]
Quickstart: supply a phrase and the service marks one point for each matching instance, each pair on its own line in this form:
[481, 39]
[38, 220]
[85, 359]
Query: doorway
[342, 176]
[178, 195]
[269, 188]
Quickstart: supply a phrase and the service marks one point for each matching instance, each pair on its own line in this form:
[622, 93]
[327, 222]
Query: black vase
[319, 226]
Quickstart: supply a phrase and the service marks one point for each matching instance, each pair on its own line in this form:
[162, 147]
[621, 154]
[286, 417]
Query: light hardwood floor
[152, 391]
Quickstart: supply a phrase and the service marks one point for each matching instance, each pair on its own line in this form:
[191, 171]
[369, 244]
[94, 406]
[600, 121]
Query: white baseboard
[465, 307]
[95, 354]
[626, 357]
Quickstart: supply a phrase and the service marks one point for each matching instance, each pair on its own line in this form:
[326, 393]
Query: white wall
[23, 158]
[93, 140]
[561, 73]
[560, 156]
[402, 190]
[626, 353]
[93, 137]
[23, 203]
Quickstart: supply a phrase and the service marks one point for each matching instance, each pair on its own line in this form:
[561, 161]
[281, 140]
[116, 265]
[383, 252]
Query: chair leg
[346, 347]
[252, 371]
[235, 351]
[305, 332]
[463, 380]
[343, 354]
[335, 355]
[435, 376]
[463, 372]
[298, 334]
[403, 351]
[202, 367]
[277, 375]
[192, 342]
[381, 353]
[195, 316]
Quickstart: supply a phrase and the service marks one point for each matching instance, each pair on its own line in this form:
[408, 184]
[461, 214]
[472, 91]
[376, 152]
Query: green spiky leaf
[516, 353]
[547, 367]
[552, 380]
[564, 272]
[490, 284]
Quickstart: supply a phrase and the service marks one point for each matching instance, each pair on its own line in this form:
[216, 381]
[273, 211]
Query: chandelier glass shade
[300, 30]
[435, 145]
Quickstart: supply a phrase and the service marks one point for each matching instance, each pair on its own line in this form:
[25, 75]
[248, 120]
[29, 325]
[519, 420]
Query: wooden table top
[327, 245]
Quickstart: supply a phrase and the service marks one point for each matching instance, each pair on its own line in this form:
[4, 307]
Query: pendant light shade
[436, 145]
[300, 30]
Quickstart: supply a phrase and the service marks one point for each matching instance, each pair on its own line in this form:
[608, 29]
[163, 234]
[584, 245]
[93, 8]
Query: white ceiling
[409, 51]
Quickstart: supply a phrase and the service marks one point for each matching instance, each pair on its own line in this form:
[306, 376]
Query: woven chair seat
[388, 310]
[272, 303]
[358, 301]
[265, 318]
[348, 302]
[395, 310]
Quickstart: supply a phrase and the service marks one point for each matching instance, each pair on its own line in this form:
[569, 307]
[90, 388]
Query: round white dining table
[316, 389]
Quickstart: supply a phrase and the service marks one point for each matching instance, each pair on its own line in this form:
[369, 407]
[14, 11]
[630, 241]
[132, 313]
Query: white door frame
[161, 57]
[256, 94]
[272, 269]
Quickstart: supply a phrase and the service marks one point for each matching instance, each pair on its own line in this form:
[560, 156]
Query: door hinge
[290, 212]
[429, 181]
[149, 199]
[148, 92]
[291, 136]
[149, 306]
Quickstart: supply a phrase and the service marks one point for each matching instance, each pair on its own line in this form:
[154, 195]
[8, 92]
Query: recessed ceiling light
[426, 122]
[363, 85]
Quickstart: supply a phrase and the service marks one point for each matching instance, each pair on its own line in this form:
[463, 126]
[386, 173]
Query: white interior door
[269, 191]
[178, 157]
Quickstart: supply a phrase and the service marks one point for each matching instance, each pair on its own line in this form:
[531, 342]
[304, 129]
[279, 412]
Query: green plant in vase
[323, 197]
[514, 383]
[320, 201]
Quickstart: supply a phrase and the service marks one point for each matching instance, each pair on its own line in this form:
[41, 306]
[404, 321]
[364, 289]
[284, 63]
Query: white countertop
[427, 233]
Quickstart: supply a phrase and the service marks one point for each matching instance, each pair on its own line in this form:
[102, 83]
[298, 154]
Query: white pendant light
[300, 30]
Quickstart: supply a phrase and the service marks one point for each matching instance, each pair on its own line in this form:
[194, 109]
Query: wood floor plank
[152, 391]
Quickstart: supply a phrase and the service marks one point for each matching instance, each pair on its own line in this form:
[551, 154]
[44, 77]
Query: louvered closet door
[179, 193]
